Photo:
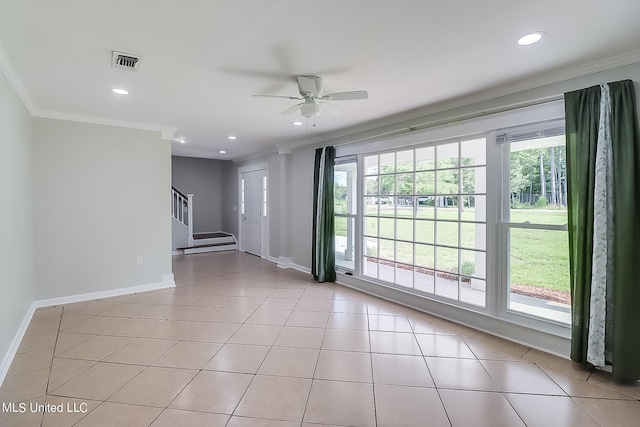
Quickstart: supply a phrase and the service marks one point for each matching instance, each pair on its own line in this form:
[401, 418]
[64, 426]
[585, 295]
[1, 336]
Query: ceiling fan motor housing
[310, 86]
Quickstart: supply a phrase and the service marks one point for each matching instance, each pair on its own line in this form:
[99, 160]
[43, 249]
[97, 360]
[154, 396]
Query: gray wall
[102, 199]
[204, 179]
[302, 158]
[16, 214]
[230, 198]
[302, 203]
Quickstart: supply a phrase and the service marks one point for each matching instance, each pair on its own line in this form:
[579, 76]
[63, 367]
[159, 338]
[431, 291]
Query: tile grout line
[373, 383]
[306, 404]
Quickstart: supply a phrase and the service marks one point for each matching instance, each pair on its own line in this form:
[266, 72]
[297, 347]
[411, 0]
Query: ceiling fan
[313, 100]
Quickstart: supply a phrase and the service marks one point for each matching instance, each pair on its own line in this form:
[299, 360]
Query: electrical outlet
[139, 260]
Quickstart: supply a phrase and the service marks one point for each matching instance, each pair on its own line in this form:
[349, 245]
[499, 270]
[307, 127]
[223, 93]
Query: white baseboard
[15, 343]
[107, 294]
[284, 262]
[300, 268]
[167, 282]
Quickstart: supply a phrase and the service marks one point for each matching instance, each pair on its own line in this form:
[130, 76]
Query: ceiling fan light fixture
[297, 123]
[182, 140]
[530, 38]
[310, 109]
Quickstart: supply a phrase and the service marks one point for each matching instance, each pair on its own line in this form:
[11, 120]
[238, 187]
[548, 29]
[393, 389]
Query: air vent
[125, 61]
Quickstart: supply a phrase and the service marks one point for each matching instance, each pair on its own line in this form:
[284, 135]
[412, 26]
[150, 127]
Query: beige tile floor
[241, 343]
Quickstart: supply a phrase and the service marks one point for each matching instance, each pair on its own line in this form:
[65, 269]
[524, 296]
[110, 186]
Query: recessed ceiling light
[120, 91]
[222, 152]
[231, 137]
[530, 38]
[297, 123]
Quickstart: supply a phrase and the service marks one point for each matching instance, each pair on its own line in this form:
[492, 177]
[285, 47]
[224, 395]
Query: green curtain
[582, 112]
[323, 264]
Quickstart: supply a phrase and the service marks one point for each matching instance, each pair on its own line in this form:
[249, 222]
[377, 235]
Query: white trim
[466, 128]
[190, 219]
[404, 121]
[196, 250]
[15, 343]
[15, 82]
[107, 294]
[556, 342]
[254, 167]
[283, 149]
[173, 253]
[284, 262]
[166, 132]
[300, 268]
[167, 282]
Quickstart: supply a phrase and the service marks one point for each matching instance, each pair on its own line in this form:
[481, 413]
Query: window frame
[460, 193]
[482, 125]
[351, 216]
[504, 230]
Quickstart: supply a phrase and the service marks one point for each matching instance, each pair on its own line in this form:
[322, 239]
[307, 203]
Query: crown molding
[15, 82]
[393, 123]
[166, 132]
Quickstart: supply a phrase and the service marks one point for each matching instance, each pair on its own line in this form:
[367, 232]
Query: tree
[520, 175]
[543, 182]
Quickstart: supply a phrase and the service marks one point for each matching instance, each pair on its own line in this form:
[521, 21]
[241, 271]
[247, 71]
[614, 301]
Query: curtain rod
[454, 119]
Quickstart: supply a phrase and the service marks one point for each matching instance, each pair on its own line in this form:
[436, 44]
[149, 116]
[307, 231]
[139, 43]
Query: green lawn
[538, 257]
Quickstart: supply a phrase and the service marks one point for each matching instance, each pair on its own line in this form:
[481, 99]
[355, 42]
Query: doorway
[253, 210]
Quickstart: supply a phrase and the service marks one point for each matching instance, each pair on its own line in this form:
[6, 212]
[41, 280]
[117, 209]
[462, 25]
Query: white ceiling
[202, 60]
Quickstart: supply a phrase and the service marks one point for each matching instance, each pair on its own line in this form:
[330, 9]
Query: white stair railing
[179, 206]
[190, 215]
[182, 210]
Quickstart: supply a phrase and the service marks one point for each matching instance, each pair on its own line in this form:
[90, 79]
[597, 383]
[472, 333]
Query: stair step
[207, 245]
[197, 236]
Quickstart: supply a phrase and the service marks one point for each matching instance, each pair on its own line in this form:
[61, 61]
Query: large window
[535, 222]
[345, 207]
[424, 219]
[478, 222]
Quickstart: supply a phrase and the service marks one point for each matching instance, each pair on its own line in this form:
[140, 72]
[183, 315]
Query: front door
[252, 216]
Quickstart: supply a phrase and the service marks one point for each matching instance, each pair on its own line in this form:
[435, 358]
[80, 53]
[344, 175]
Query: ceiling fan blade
[308, 84]
[332, 109]
[344, 96]
[291, 110]
[276, 96]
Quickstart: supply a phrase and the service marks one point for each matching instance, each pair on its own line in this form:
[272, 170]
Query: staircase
[184, 240]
